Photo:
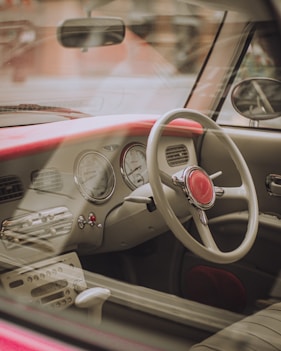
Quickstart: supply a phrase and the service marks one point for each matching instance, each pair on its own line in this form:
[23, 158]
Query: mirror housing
[91, 32]
[257, 98]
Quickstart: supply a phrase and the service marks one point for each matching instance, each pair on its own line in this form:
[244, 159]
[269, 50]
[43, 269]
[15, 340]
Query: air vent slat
[177, 155]
[48, 179]
[11, 188]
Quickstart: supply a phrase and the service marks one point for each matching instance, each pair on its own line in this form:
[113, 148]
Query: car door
[252, 282]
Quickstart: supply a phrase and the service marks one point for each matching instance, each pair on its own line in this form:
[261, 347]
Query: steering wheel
[195, 189]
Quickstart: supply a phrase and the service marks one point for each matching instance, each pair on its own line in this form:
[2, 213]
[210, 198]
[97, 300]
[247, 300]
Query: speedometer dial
[133, 165]
[94, 176]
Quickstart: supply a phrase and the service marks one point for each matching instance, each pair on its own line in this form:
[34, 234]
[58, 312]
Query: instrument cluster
[95, 176]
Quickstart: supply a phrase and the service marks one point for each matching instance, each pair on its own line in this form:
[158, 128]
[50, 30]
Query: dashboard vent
[48, 179]
[11, 188]
[177, 155]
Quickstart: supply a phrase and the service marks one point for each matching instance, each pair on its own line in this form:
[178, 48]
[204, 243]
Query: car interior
[161, 229]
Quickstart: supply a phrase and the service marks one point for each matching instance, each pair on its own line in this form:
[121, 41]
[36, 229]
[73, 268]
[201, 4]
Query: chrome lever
[273, 184]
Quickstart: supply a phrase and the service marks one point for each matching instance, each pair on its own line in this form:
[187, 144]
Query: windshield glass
[151, 71]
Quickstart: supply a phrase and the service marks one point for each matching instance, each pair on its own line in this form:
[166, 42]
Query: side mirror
[91, 32]
[257, 98]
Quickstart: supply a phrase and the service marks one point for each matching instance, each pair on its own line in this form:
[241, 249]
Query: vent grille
[11, 188]
[48, 179]
[177, 155]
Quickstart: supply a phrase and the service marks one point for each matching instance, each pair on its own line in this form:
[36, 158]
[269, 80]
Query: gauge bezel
[108, 168]
[124, 154]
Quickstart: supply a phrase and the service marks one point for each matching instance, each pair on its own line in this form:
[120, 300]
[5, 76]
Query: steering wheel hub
[199, 187]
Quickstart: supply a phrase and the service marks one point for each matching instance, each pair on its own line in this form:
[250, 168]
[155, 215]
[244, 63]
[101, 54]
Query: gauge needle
[135, 169]
[88, 179]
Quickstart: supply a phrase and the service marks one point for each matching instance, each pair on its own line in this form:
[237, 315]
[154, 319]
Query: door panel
[261, 150]
[257, 273]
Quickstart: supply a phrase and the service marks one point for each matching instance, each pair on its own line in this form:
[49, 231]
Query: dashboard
[64, 189]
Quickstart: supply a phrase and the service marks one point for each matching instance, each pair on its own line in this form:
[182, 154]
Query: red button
[92, 218]
[200, 187]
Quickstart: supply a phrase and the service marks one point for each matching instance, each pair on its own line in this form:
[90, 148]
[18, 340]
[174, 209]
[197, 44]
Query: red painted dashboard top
[23, 140]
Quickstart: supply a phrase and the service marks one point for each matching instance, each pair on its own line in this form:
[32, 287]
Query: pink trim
[13, 338]
[20, 141]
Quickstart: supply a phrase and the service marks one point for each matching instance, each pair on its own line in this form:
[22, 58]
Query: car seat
[258, 332]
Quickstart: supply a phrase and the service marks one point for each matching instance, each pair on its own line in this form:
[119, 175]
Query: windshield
[151, 71]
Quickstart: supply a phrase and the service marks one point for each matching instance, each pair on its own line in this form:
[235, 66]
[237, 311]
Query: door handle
[273, 184]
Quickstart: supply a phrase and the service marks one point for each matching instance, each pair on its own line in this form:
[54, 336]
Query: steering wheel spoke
[168, 180]
[231, 192]
[204, 230]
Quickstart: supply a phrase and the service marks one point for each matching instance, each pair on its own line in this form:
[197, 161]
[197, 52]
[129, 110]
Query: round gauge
[133, 165]
[94, 176]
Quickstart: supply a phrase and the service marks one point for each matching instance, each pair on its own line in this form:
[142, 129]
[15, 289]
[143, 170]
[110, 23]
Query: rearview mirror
[91, 32]
[257, 98]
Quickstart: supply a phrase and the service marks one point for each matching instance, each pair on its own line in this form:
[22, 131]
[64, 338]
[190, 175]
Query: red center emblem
[200, 187]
